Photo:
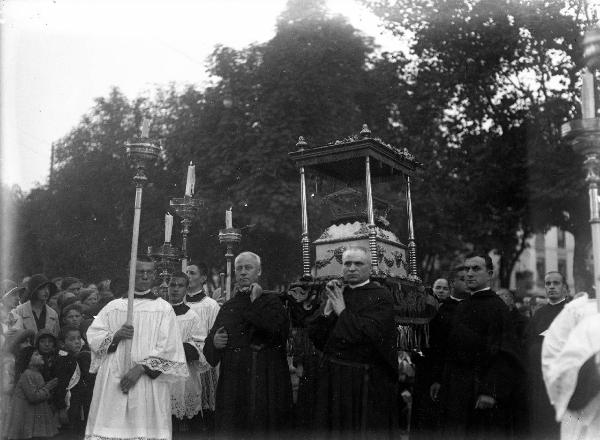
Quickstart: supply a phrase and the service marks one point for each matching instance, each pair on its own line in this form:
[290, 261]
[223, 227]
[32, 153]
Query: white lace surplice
[186, 397]
[145, 412]
[207, 310]
[566, 348]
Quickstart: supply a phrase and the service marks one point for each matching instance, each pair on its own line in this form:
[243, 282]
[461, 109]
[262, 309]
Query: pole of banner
[305, 240]
[141, 152]
[412, 245]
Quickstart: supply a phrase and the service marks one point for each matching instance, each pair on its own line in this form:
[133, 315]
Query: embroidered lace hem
[100, 437]
[166, 367]
[188, 408]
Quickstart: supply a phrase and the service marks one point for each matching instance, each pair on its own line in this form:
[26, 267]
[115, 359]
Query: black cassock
[481, 358]
[254, 390]
[357, 385]
[543, 423]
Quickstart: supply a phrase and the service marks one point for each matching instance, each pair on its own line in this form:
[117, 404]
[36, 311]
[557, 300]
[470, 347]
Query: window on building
[540, 267]
[562, 266]
[561, 239]
[540, 242]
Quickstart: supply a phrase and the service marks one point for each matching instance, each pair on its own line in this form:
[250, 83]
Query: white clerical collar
[142, 292]
[197, 292]
[354, 286]
[481, 290]
[557, 303]
[177, 304]
[457, 299]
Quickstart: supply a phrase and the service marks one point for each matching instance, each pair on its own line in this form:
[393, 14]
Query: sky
[56, 56]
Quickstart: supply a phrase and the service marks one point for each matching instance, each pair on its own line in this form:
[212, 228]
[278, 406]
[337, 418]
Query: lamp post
[584, 135]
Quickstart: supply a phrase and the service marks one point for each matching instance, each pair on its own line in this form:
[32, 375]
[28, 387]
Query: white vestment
[145, 411]
[207, 310]
[186, 397]
[572, 338]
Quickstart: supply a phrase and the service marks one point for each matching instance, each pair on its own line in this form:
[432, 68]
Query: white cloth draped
[145, 411]
[207, 310]
[569, 342]
[186, 397]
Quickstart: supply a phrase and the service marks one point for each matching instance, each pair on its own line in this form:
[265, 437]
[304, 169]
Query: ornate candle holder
[141, 152]
[166, 257]
[187, 208]
[229, 237]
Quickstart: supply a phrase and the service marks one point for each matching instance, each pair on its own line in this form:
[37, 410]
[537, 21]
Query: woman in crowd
[35, 314]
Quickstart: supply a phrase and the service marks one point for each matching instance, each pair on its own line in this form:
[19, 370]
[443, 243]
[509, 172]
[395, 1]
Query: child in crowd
[30, 415]
[72, 315]
[73, 394]
[16, 343]
[45, 344]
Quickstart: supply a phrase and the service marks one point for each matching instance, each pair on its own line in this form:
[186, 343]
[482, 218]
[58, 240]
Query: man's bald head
[247, 268]
[356, 265]
[441, 288]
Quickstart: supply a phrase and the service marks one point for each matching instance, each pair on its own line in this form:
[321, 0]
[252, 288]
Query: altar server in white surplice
[570, 367]
[134, 401]
[186, 397]
[207, 309]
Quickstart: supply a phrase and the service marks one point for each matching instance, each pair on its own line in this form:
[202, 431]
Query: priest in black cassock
[357, 385]
[248, 339]
[482, 362]
[542, 419]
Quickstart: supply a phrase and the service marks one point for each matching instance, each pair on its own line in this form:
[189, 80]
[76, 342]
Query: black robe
[254, 390]
[481, 358]
[542, 419]
[357, 385]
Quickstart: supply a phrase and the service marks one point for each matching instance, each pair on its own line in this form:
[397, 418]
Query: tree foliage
[492, 82]
[318, 77]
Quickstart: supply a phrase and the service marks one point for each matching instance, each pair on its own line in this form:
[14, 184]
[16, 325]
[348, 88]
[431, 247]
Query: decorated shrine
[358, 174]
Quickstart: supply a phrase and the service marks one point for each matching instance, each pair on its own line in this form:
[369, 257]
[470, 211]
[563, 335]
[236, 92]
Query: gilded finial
[365, 132]
[301, 143]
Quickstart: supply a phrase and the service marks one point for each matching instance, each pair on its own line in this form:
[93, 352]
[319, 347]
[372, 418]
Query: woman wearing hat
[35, 314]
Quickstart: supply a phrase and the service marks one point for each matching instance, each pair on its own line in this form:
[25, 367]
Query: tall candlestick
[168, 227]
[191, 180]
[228, 219]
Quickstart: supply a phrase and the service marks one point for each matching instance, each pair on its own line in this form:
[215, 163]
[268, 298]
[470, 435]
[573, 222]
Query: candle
[145, 127]
[191, 180]
[228, 219]
[168, 227]
[588, 99]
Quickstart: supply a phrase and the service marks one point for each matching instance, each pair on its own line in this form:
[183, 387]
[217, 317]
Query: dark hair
[489, 265]
[119, 287]
[64, 331]
[67, 281]
[86, 293]
[62, 301]
[562, 277]
[75, 306]
[181, 275]
[202, 267]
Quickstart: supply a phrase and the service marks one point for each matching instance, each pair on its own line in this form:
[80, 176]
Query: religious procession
[326, 240]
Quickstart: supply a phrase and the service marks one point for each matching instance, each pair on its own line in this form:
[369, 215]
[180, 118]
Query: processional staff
[141, 152]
